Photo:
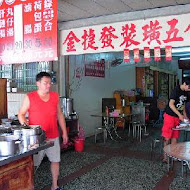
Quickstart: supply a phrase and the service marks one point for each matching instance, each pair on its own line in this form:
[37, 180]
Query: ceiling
[69, 10]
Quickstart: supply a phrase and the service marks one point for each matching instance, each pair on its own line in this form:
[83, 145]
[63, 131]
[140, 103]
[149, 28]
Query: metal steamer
[9, 145]
[67, 107]
[20, 136]
[30, 135]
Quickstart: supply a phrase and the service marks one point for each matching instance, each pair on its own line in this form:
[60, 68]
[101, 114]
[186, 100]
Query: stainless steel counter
[23, 152]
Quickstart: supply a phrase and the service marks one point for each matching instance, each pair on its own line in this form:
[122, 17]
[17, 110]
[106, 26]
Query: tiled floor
[122, 165]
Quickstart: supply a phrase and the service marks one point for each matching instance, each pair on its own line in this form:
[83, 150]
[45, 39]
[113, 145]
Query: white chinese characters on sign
[10, 22]
[10, 32]
[38, 16]
[27, 29]
[28, 8]
[37, 5]
[37, 27]
[38, 55]
[9, 2]
[9, 12]
[2, 23]
[48, 26]
[28, 26]
[46, 15]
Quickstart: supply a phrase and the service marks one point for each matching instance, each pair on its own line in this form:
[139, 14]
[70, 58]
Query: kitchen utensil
[34, 126]
[67, 106]
[17, 132]
[9, 145]
[183, 124]
[6, 121]
[31, 131]
[8, 137]
[27, 140]
[186, 121]
[5, 129]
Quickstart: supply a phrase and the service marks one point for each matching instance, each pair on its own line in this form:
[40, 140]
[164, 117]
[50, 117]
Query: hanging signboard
[146, 53]
[126, 55]
[168, 51]
[28, 31]
[157, 54]
[136, 54]
[160, 31]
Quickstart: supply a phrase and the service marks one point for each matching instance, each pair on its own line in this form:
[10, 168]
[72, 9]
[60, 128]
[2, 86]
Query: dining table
[178, 152]
[109, 123]
[183, 127]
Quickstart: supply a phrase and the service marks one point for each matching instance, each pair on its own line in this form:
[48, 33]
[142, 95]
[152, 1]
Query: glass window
[24, 75]
[6, 71]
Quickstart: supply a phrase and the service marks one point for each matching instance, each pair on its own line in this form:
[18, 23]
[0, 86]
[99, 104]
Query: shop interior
[113, 106]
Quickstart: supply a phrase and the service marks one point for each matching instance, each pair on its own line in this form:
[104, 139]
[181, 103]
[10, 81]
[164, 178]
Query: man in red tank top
[43, 109]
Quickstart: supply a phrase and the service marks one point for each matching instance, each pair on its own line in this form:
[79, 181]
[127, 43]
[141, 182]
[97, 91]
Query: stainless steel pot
[66, 106]
[31, 131]
[8, 137]
[17, 132]
[9, 145]
[27, 140]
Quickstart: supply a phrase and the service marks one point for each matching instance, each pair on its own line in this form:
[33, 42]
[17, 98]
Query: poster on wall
[96, 69]
[28, 31]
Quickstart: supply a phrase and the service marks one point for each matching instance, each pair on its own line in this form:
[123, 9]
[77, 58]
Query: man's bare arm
[23, 110]
[61, 120]
[174, 109]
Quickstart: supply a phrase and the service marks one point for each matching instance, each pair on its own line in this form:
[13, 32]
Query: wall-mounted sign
[28, 31]
[96, 69]
[160, 31]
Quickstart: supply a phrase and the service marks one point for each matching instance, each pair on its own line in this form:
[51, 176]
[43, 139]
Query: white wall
[89, 91]
[14, 101]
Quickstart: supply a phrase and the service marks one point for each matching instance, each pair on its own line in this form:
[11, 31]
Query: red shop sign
[28, 31]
